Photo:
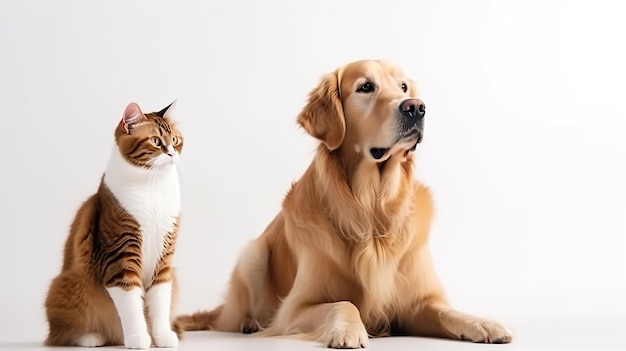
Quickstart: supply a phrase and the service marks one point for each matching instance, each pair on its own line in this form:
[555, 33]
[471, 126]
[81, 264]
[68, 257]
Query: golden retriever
[347, 257]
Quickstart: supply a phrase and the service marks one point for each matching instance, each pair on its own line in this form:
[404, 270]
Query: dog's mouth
[411, 137]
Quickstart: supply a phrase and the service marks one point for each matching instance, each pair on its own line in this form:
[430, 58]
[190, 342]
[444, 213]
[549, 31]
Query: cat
[116, 285]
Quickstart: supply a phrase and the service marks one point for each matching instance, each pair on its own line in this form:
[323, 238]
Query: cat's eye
[156, 141]
[175, 140]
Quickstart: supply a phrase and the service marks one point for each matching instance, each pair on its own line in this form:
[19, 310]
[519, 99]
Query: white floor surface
[545, 334]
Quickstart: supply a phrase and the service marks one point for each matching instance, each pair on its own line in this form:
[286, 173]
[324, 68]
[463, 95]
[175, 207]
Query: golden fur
[347, 257]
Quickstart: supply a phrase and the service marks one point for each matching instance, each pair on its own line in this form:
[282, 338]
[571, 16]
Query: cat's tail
[202, 320]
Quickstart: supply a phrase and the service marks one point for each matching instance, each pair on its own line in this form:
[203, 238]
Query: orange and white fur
[116, 286]
[347, 256]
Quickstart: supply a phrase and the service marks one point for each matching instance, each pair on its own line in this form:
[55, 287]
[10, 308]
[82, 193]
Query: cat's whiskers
[153, 174]
[146, 166]
[149, 173]
[181, 174]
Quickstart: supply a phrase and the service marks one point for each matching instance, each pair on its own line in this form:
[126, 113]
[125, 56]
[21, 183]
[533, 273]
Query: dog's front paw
[137, 341]
[348, 336]
[475, 329]
[249, 326]
[166, 339]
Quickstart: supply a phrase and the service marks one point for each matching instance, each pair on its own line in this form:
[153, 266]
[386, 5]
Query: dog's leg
[439, 320]
[336, 324]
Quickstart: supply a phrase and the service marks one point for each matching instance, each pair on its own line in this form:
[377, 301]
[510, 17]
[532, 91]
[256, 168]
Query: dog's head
[369, 106]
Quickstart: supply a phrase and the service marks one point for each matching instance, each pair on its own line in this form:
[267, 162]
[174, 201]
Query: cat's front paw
[91, 340]
[166, 339]
[138, 341]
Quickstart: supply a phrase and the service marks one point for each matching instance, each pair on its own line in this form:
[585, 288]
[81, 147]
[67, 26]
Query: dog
[347, 256]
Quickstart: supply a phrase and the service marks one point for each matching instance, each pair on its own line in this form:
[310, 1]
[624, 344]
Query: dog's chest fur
[377, 271]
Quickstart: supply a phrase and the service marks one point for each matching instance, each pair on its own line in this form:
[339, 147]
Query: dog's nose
[413, 108]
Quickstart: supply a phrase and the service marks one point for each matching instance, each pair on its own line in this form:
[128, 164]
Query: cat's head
[148, 140]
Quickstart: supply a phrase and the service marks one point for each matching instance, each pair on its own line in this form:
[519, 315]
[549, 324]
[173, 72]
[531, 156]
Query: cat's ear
[168, 110]
[132, 116]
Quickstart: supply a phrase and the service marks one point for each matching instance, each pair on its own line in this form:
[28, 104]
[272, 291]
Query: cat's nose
[170, 151]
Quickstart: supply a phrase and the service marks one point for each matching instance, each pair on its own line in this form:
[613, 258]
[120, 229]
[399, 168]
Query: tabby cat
[116, 286]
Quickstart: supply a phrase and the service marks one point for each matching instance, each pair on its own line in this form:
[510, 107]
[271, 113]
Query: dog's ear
[322, 117]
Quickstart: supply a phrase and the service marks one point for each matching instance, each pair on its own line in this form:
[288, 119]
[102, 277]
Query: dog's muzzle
[412, 112]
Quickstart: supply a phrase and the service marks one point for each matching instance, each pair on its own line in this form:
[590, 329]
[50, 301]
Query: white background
[524, 144]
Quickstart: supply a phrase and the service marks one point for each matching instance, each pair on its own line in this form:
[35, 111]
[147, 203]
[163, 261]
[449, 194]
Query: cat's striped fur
[117, 286]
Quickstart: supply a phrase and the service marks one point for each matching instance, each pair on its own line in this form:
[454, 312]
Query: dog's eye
[366, 87]
[404, 87]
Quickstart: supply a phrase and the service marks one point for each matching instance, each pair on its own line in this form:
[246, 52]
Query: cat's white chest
[153, 199]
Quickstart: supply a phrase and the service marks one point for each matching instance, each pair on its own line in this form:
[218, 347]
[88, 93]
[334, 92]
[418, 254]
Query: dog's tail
[201, 320]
